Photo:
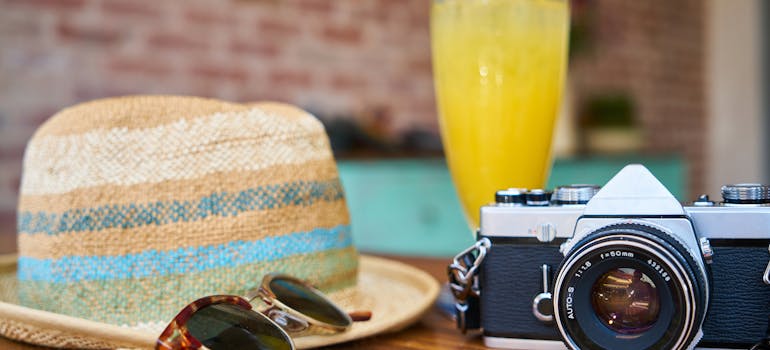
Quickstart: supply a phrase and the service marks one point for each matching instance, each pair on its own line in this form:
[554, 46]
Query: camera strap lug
[464, 284]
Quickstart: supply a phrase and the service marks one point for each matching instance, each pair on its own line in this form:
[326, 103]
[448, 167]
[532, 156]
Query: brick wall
[354, 58]
[654, 51]
[337, 58]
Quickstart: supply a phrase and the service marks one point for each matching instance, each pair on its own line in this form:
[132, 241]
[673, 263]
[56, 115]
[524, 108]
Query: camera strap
[464, 284]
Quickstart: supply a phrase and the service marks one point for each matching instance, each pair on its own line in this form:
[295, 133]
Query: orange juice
[499, 68]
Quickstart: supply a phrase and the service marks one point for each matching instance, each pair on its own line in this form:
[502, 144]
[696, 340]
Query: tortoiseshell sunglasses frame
[177, 337]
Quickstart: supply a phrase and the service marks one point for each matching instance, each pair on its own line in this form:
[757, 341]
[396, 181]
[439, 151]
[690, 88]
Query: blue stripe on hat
[126, 216]
[183, 260]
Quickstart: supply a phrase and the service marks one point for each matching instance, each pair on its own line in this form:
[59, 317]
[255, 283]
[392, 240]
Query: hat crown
[132, 207]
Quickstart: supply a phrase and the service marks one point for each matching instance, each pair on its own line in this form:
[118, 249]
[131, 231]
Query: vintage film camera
[625, 267]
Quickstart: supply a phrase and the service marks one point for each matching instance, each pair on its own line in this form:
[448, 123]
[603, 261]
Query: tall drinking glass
[499, 68]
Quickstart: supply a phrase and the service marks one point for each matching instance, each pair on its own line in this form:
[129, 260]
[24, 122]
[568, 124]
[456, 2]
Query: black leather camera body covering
[740, 300]
[510, 279]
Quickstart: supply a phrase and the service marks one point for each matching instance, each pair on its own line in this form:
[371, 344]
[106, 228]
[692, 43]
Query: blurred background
[676, 85]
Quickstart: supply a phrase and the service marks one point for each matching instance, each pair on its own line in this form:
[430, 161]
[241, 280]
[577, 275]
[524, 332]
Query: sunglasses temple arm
[360, 315]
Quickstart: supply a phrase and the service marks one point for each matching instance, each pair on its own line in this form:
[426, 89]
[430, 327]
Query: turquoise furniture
[409, 206]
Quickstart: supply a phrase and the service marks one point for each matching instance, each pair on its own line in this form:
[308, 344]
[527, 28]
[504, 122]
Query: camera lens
[626, 300]
[630, 285]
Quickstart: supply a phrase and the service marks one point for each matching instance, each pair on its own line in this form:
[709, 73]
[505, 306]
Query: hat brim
[397, 295]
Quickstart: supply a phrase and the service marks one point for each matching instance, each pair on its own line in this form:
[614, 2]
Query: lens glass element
[626, 301]
[225, 326]
[307, 301]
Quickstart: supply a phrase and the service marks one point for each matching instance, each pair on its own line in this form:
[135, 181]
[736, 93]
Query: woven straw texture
[132, 207]
[396, 294]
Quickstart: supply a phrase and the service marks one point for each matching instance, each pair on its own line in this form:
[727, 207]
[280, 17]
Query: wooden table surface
[434, 331]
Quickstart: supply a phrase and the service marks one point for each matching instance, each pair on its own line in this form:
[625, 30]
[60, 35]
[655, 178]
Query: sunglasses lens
[226, 326]
[305, 300]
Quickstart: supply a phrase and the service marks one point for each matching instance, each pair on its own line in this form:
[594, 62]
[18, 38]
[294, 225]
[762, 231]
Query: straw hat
[133, 207]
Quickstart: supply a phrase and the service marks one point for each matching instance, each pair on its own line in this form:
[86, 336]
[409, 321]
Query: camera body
[625, 267]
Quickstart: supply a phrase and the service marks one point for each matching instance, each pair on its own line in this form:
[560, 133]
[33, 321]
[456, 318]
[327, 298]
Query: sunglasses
[229, 322]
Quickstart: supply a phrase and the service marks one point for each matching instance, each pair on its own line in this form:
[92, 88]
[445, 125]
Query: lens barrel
[629, 286]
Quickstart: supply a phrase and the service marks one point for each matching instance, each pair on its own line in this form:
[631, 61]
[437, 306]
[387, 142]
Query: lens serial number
[657, 267]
